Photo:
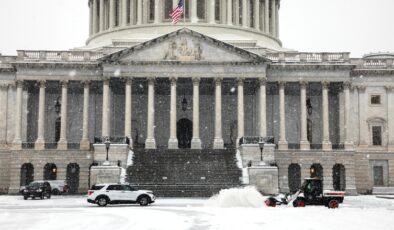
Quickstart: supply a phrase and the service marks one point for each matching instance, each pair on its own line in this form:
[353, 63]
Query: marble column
[212, 11]
[273, 17]
[95, 18]
[267, 16]
[240, 109]
[91, 18]
[40, 142]
[139, 12]
[62, 143]
[85, 144]
[263, 107]
[196, 141]
[17, 143]
[229, 12]
[282, 144]
[326, 144]
[277, 20]
[193, 14]
[218, 139]
[349, 145]
[390, 117]
[105, 127]
[150, 142]
[3, 114]
[128, 111]
[245, 13]
[256, 14]
[157, 11]
[173, 141]
[363, 108]
[236, 10]
[102, 15]
[112, 14]
[304, 143]
[124, 13]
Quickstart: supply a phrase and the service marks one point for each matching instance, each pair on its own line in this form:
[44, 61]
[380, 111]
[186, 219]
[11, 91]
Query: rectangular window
[128, 5]
[217, 10]
[117, 13]
[251, 11]
[377, 135]
[167, 9]
[151, 10]
[375, 100]
[378, 176]
[201, 10]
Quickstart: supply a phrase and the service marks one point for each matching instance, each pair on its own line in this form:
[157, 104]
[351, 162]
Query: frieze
[183, 51]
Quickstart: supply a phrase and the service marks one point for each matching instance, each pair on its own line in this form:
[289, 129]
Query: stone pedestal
[265, 179]
[251, 153]
[117, 152]
[196, 143]
[105, 174]
[84, 144]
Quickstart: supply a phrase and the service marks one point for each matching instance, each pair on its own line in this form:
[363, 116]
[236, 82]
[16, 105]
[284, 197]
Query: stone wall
[4, 171]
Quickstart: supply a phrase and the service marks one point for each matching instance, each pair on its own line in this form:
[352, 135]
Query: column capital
[19, 83]
[281, 83]
[240, 81]
[347, 84]
[218, 81]
[196, 80]
[262, 81]
[361, 88]
[42, 83]
[389, 88]
[325, 84]
[173, 80]
[151, 80]
[86, 83]
[303, 84]
[64, 83]
[4, 85]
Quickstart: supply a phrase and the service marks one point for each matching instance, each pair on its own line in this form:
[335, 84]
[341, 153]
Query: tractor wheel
[270, 202]
[298, 203]
[333, 204]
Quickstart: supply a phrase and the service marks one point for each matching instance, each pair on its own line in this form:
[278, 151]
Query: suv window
[126, 188]
[97, 187]
[114, 187]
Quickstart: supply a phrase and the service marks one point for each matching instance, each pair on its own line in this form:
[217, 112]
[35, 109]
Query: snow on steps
[383, 191]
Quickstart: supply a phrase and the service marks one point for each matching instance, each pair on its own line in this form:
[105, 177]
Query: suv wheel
[25, 197]
[56, 191]
[143, 200]
[102, 201]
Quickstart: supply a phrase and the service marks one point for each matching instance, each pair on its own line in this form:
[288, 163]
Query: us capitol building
[186, 107]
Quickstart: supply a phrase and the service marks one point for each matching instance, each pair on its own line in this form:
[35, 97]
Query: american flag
[177, 12]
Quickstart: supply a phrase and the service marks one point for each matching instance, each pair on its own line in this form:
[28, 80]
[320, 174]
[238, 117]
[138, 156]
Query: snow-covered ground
[73, 213]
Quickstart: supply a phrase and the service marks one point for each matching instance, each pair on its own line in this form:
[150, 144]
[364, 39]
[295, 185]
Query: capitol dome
[252, 23]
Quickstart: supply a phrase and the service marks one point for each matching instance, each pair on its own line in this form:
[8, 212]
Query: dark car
[39, 189]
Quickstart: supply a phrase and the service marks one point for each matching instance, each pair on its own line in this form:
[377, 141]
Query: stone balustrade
[295, 57]
[73, 56]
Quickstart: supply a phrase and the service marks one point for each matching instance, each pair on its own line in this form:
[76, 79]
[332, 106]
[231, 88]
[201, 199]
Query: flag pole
[184, 11]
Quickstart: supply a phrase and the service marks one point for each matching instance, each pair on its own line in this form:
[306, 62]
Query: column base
[305, 145]
[40, 144]
[390, 148]
[150, 144]
[84, 144]
[283, 145]
[62, 145]
[17, 144]
[349, 145]
[196, 143]
[327, 146]
[173, 143]
[218, 143]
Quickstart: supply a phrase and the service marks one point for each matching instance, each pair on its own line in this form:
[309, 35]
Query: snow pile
[122, 175]
[130, 158]
[237, 197]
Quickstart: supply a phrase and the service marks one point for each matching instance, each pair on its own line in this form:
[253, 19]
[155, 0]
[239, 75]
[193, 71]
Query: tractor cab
[312, 189]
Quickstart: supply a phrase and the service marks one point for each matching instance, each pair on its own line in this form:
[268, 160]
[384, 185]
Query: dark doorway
[339, 177]
[184, 133]
[316, 171]
[27, 174]
[72, 177]
[57, 129]
[50, 171]
[378, 176]
[294, 176]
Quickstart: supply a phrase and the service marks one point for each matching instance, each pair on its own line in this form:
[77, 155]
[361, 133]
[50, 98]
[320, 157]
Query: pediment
[183, 45]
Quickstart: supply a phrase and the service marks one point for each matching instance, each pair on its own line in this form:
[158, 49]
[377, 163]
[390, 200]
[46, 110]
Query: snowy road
[73, 212]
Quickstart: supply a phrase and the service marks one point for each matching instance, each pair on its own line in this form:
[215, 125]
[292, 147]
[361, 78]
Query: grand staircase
[184, 172]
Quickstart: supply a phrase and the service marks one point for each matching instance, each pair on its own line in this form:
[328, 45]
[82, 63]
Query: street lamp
[261, 145]
[107, 144]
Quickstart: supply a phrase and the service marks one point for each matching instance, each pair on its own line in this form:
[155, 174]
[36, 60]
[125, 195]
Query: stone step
[186, 190]
[383, 191]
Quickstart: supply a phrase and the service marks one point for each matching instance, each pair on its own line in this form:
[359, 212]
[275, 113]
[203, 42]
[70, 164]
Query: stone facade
[204, 86]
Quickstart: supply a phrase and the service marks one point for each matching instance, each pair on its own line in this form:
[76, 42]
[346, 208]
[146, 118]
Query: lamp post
[107, 144]
[261, 145]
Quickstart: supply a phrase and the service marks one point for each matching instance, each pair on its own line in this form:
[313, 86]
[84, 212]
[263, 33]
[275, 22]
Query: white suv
[103, 194]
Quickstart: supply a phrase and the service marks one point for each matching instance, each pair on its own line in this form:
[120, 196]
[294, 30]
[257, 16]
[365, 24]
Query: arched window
[50, 171]
[72, 177]
[27, 174]
[339, 177]
[316, 170]
[294, 177]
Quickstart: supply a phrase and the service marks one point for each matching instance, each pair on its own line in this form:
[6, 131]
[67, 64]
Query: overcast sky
[356, 26]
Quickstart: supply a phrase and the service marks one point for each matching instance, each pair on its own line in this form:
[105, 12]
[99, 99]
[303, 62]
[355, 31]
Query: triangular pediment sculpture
[183, 45]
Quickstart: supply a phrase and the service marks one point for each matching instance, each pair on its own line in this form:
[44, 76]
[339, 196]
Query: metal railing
[302, 57]
[74, 56]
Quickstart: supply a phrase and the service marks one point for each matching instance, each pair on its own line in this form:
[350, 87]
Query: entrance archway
[294, 176]
[184, 133]
[73, 177]
[27, 174]
[50, 171]
[316, 171]
[339, 177]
